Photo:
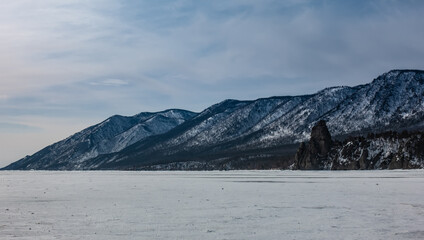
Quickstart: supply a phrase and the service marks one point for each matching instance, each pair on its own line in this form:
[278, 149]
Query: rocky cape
[259, 134]
[387, 150]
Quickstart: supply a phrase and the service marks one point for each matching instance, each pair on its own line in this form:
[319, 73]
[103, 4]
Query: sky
[69, 64]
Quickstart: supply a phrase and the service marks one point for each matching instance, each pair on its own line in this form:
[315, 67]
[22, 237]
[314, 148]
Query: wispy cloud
[110, 82]
[215, 43]
[7, 127]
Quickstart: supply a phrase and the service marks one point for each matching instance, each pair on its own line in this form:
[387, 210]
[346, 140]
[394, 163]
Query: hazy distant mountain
[241, 134]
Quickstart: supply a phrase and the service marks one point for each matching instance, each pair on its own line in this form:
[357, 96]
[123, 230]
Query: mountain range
[257, 134]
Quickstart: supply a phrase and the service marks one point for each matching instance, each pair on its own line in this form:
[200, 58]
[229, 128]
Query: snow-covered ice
[212, 205]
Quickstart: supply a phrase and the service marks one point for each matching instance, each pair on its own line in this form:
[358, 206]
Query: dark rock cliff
[388, 150]
[314, 154]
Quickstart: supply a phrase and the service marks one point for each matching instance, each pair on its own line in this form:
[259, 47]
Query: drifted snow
[212, 205]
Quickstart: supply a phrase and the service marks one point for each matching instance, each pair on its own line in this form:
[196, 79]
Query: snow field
[212, 205]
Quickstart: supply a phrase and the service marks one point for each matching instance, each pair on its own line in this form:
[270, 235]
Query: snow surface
[212, 205]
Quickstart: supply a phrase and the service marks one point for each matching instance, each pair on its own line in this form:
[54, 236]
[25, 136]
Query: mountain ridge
[265, 129]
[104, 137]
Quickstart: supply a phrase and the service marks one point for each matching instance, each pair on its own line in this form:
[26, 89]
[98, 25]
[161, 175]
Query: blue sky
[67, 64]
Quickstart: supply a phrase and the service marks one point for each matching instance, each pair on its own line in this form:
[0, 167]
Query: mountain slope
[111, 135]
[392, 101]
[260, 133]
[387, 150]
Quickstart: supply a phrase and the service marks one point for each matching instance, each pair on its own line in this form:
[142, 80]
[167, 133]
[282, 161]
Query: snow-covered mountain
[262, 133]
[111, 135]
[392, 101]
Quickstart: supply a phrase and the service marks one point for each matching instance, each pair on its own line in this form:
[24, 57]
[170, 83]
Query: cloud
[215, 43]
[177, 45]
[7, 127]
[110, 82]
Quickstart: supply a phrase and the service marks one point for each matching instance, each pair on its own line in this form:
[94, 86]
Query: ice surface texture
[212, 205]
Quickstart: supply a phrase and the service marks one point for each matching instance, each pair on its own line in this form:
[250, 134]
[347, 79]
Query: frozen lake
[212, 205]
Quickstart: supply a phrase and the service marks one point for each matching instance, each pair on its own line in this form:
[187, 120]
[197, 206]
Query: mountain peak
[405, 71]
[400, 76]
[398, 72]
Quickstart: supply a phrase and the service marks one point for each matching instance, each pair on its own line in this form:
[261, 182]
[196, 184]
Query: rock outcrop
[314, 155]
[388, 150]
